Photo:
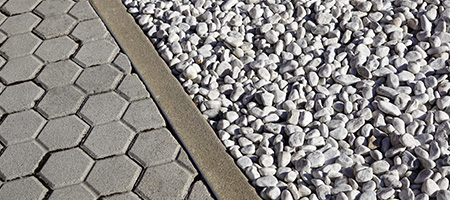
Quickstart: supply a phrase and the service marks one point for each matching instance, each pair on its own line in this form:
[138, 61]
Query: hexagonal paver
[55, 26]
[184, 161]
[108, 139]
[73, 192]
[20, 160]
[113, 175]
[13, 7]
[64, 132]
[25, 188]
[123, 63]
[56, 49]
[20, 69]
[53, 7]
[103, 108]
[105, 52]
[20, 97]
[98, 79]
[200, 191]
[123, 196]
[59, 74]
[154, 148]
[133, 88]
[2, 37]
[143, 115]
[90, 30]
[20, 45]
[20, 127]
[61, 101]
[66, 168]
[168, 177]
[20, 24]
[82, 10]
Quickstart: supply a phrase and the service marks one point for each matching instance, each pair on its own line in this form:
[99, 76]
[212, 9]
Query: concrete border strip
[207, 151]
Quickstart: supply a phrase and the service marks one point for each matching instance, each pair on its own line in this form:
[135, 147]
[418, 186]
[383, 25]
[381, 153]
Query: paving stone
[105, 51]
[13, 7]
[21, 127]
[55, 26]
[20, 45]
[123, 63]
[56, 49]
[123, 196]
[53, 7]
[63, 132]
[59, 73]
[154, 148]
[73, 192]
[20, 160]
[66, 168]
[200, 192]
[90, 30]
[108, 139]
[26, 188]
[20, 24]
[61, 101]
[113, 175]
[82, 10]
[133, 88]
[2, 60]
[20, 97]
[98, 79]
[2, 16]
[103, 108]
[168, 177]
[2, 37]
[20, 69]
[184, 161]
[143, 115]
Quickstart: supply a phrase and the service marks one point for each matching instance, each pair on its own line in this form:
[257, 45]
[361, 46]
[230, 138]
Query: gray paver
[2, 16]
[108, 139]
[21, 127]
[20, 24]
[13, 7]
[123, 63]
[63, 132]
[59, 73]
[20, 160]
[73, 192]
[20, 69]
[26, 188]
[154, 148]
[184, 161]
[168, 177]
[20, 45]
[56, 49]
[66, 168]
[123, 196]
[61, 101]
[20, 97]
[113, 175]
[53, 7]
[200, 192]
[103, 108]
[2, 61]
[90, 30]
[55, 26]
[2, 36]
[105, 52]
[98, 79]
[133, 88]
[143, 115]
[82, 10]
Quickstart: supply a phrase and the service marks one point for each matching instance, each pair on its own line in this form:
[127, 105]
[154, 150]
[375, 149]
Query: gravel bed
[334, 99]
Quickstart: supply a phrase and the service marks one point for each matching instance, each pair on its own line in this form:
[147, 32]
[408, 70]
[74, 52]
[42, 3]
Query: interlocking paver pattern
[200, 192]
[75, 121]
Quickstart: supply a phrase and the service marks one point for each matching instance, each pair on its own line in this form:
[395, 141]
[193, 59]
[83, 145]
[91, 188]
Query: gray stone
[200, 192]
[443, 195]
[20, 69]
[20, 45]
[73, 192]
[108, 139]
[53, 7]
[58, 74]
[13, 7]
[105, 52]
[183, 160]
[143, 115]
[316, 158]
[90, 30]
[406, 194]
[25, 188]
[339, 133]
[123, 196]
[64, 132]
[99, 79]
[21, 127]
[55, 26]
[266, 181]
[114, 175]
[19, 24]
[56, 49]
[133, 88]
[82, 10]
[380, 166]
[20, 97]
[103, 108]
[429, 187]
[65, 168]
[423, 175]
[385, 193]
[123, 63]
[61, 101]
[369, 195]
[20, 160]
[389, 108]
[154, 148]
[296, 139]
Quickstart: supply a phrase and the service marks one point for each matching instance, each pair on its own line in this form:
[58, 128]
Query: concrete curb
[207, 151]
